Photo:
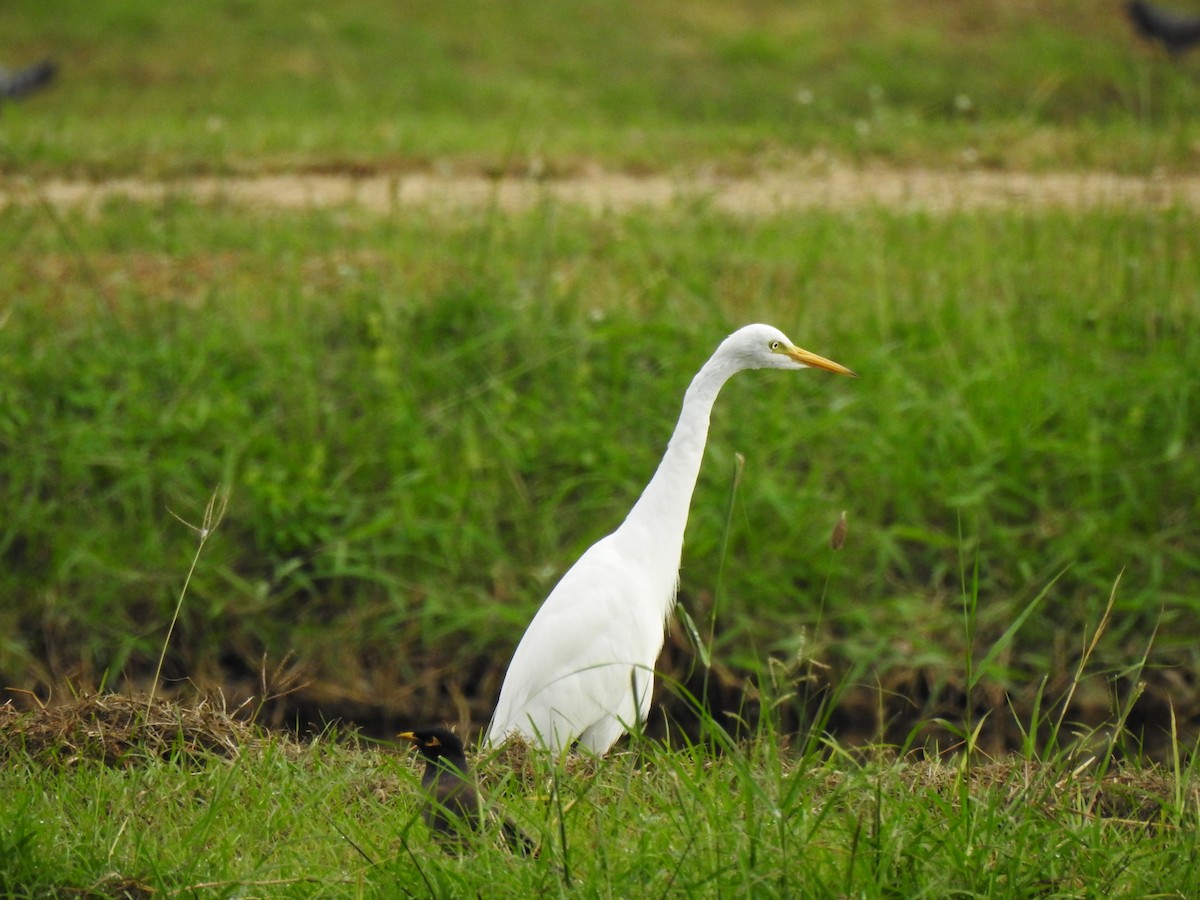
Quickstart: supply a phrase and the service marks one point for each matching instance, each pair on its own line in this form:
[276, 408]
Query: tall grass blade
[214, 512]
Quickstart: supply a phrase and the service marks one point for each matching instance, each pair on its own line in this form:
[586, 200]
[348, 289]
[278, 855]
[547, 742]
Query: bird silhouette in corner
[1178, 32]
[453, 805]
[16, 84]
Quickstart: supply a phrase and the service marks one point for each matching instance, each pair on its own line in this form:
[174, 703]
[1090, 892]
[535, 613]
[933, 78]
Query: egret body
[583, 671]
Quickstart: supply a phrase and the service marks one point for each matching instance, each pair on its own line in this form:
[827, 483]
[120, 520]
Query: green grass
[422, 421]
[422, 418]
[335, 819]
[153, 90]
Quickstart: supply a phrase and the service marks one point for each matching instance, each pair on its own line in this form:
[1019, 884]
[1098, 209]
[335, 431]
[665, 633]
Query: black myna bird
[452, 802]
[1174, 30]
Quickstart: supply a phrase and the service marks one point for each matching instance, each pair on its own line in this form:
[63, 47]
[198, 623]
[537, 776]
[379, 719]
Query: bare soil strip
[833, 187]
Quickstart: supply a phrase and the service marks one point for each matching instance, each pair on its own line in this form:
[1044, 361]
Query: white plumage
[583, 671]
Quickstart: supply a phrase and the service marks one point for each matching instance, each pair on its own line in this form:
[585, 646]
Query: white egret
[584, 669]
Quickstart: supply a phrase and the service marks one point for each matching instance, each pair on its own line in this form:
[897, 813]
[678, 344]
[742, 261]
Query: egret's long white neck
[654, 527]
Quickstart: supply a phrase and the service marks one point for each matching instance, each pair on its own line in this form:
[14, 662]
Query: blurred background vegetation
[424, 416]
[238, 85]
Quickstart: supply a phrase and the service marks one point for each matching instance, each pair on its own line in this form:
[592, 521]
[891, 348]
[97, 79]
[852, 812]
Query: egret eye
[774, 345]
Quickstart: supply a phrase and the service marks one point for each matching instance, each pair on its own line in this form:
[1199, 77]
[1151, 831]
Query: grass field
[422, 414]
[637, 85]
[422, 423]
[270, 817]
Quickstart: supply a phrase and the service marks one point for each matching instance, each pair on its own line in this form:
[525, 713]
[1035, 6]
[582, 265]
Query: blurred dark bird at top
[19, 83]
[1175, 31]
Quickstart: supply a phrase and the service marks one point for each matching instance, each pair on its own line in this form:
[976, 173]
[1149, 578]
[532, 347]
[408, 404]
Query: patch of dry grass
[120, 730]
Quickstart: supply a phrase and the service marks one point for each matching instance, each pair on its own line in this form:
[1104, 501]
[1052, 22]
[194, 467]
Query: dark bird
[1175, 31]
[453, 805]
[14, 85]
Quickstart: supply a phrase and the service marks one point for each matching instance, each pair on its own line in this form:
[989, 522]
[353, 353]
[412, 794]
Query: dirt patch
[834, 187]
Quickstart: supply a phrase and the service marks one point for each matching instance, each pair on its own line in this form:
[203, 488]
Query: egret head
[766, 347]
